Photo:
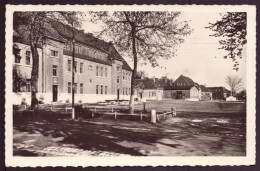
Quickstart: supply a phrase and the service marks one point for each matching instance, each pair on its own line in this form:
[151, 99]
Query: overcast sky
[198, 57]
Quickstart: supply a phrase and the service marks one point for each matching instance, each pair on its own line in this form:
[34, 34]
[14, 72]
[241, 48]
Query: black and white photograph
[130, 85]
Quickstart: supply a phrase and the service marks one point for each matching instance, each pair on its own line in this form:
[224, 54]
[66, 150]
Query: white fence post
[153, 116]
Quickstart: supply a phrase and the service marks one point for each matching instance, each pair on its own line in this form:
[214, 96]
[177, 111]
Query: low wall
[63, 97]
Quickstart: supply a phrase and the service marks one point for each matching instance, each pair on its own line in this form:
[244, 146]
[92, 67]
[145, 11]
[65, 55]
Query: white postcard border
[249, 159]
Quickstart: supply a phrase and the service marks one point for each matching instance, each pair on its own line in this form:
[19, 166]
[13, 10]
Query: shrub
[23, 102]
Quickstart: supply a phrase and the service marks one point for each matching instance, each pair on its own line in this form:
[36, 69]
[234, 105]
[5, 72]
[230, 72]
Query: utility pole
[73, 67]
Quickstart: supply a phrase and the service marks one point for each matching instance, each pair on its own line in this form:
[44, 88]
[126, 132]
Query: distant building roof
[186, 80]
[203, 88]
[178, 87]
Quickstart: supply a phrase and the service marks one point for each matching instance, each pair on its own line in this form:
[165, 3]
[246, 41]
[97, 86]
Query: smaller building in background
[182, 88]
[219, 93]
[205, 93]
[149, 89]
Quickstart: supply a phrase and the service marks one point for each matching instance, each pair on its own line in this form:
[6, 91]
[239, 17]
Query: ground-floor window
[105, 89]
[75, 87]
[96, 89]
[101, 89]
[81, 88]
[28, 85]
[69, 87]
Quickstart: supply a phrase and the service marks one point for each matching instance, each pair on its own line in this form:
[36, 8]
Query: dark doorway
[179, 94]
[55, 93]
[118, 94]
[141, 95]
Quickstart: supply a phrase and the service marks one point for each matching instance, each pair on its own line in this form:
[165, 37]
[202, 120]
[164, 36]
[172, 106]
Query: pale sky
[198, 57]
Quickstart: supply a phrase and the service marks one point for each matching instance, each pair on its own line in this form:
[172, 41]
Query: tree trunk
[34, 75]
[131, 104]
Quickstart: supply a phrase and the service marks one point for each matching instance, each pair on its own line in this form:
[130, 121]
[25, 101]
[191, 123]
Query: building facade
[182, 88]
[100, 72]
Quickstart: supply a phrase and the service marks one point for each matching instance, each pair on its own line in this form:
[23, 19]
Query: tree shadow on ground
[89, 135]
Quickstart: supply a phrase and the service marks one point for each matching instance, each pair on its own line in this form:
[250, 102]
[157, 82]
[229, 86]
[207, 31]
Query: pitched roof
[203, 88]
[80, 37]
[185, 80]
[145, 83]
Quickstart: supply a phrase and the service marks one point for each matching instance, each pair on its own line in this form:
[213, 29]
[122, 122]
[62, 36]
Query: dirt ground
[188, 134]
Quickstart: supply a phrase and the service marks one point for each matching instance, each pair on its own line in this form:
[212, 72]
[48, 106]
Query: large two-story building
[100, 71]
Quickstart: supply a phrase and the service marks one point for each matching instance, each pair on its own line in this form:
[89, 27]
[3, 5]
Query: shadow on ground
[87, 135]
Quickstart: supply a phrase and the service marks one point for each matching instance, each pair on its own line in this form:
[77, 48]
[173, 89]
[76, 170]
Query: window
[105, 89]
[149, 94]
[118, 79]
[75, 87]
[81, 68]
[75, 66]
[126, 91]
[69, 65]
[69, 87]
[28, 57]
[153, 94]
[68, 46]
[17, 57]
[105, 72]
[96, 89]
[118, 69]
[54, 69]
[80, 49]
[54, 53]
[28, 85]
[123, 75]
[129, 91]
[90, 67]
[126, 76]
[123, 90]
[101, 89]
[97, 70]
[81, 88]
[101, 71]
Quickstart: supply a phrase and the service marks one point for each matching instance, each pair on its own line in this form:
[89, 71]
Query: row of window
[17, 58]
[179, 84]
[28, 57]
[75, 66]
[126, 76]
[75, 88]
[85, 51]
[126, 91]
[152, 94]
[100, 89]
[100, 71]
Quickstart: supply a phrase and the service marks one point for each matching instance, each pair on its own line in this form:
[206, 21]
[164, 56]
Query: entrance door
[55, 93]
[118, 94]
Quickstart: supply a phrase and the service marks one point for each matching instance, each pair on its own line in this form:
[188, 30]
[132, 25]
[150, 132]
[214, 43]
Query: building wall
[172, 94]
[88, 78]
[194, 93]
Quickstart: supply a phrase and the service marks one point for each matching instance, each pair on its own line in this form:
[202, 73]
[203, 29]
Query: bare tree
[232, 27]
[144, 36]
[235, 83]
